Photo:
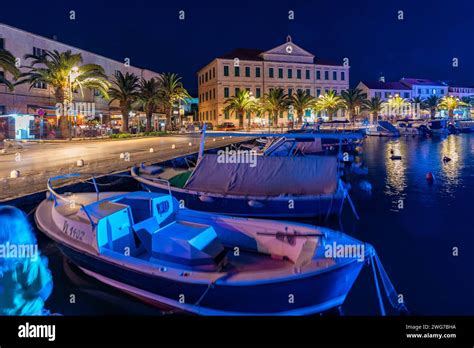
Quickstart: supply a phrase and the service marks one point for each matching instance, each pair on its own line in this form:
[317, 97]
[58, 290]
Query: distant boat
[412, 126]
[439, 126]
[465, 126]
[382, 129]
[144, 244]
[276, 186]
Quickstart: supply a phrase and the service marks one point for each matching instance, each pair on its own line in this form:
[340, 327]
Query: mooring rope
[390, 292]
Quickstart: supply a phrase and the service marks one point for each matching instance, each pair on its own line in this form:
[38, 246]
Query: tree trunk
[64, 125]
[61, 96]
[241, 119]
[125, 110]
[168, 118]
[250, 120]
[433, 114]
[149, 114]
[300, 116]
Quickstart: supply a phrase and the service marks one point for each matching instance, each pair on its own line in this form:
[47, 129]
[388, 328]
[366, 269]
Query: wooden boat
[144, 244]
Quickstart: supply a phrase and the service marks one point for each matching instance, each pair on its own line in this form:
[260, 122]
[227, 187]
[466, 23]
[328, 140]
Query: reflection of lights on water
[395, 169]
[451, 148]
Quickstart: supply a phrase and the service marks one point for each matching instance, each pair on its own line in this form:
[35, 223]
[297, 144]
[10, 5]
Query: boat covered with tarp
[267, 186]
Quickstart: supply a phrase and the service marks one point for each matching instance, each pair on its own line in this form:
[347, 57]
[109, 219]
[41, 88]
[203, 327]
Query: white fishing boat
[144, 244]
[382, 129]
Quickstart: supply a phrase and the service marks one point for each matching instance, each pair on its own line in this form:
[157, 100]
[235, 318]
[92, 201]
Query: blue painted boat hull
[312, 294]
[286, 207]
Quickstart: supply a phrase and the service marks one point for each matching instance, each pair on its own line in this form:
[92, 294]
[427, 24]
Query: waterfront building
[425, 88]
[384, 90]
[24, 100]
[461, 92]
[287, 66]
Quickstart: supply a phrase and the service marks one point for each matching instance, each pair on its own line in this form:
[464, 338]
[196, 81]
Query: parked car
[209, 126]
[227, 126]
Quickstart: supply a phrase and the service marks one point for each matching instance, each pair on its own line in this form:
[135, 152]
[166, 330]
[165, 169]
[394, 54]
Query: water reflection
[396, 180]
[451, 153]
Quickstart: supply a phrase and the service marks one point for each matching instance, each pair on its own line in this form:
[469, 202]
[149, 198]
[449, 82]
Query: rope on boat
[390, 292]
[352, 205]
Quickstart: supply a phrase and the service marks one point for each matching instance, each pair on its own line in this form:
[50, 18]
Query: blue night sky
[367, 32]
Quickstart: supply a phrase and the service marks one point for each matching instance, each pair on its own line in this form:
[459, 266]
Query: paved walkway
[36, 162]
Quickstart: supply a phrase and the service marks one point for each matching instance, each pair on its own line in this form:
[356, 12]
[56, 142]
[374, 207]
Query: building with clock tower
[287, 66]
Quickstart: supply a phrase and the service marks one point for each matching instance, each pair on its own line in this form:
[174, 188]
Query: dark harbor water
[414, 226]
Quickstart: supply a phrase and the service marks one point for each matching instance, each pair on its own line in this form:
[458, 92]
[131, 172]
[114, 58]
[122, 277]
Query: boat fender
[206, 199]
[366, 186]
[429, 177]
[255, 204]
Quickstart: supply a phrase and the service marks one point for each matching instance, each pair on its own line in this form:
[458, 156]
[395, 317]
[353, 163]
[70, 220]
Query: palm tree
[431, 104]
[172, 92]
[419, 104]
[64, 73]
[329, 103]
[148, 98]
[125, 90]
[241, 103]
[275, 102]
[7, 64]
[301, 101]
[397, 104]
[374, 106]
[353, 99]
[451, 103]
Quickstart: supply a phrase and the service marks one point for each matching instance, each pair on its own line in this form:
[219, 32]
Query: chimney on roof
[381, 78]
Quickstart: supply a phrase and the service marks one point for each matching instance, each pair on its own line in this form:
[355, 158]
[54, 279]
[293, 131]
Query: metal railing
[56, 196]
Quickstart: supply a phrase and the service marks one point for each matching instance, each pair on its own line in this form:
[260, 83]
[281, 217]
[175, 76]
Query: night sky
[369, 33]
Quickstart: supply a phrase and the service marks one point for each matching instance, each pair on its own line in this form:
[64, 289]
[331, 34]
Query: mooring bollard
[14, 174]
[151, 149]
[173, 146]
[80, 163]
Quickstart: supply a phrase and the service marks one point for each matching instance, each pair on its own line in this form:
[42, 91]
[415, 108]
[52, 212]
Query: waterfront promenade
[36, 162]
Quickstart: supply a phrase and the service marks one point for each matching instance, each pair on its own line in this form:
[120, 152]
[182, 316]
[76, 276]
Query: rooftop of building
[255, 55]
[72, 47]
[386, 85]
[423, 82]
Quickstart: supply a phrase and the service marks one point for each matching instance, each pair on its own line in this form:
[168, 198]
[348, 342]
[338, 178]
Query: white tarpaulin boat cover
[268, 176]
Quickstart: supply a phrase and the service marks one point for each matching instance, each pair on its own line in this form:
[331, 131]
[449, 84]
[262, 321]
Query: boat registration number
[73, 232]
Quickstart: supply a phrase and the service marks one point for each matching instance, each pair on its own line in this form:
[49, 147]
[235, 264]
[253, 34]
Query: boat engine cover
[191, 246]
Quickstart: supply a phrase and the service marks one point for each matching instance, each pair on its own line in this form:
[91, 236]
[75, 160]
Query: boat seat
[114, 230]
[189, 245]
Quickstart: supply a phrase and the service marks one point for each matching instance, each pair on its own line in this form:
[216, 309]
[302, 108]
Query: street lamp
[73, 74]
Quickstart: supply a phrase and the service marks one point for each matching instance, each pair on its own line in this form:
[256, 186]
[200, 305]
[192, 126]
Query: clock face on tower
[289, 49]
